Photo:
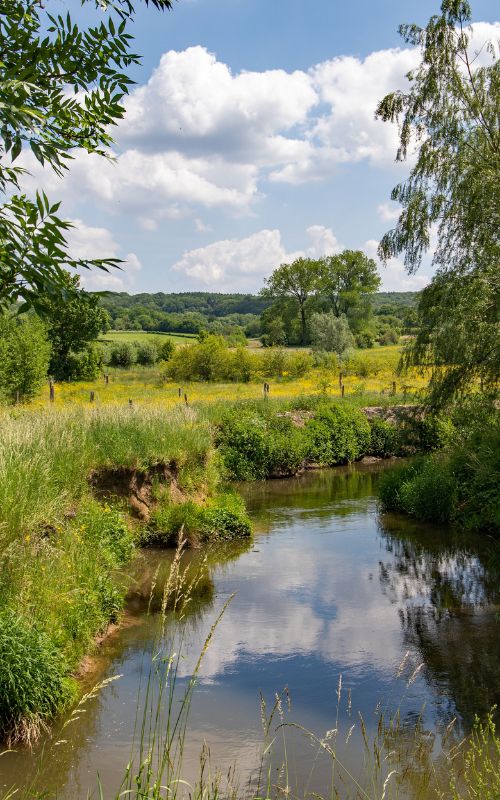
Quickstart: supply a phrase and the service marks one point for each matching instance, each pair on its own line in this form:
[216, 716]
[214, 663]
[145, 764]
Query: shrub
[426, 490]
[431, 493]
[225, 518]
[257, 445]
[384, 438]
[298, 364]
[166, 350]
[331, 333]
[122, 355]
[86, 365]
[24, 356]
[337, 435]
[33, 682]
[147, 354]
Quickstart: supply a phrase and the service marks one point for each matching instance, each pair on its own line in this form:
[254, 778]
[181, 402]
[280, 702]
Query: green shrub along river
[81, 490]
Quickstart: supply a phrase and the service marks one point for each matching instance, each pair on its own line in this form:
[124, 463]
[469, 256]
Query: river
[328, 590]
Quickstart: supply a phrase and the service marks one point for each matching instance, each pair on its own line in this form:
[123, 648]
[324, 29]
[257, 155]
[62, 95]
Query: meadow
[139, 337]
[368, 377]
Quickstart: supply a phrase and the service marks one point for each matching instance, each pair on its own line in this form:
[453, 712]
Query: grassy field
[118, 337]
[369, 373]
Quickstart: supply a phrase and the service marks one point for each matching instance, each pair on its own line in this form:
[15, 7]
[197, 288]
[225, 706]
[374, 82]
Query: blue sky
[249, 139]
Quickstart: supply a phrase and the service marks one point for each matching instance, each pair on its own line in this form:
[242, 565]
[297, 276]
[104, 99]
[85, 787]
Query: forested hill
[187, 311]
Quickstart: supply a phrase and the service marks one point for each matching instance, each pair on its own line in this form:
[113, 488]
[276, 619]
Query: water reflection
[327, 587]
[448, 603]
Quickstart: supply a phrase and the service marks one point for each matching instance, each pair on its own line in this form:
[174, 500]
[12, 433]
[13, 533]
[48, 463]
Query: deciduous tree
[296, 281]
[61, 88]
[451, 113]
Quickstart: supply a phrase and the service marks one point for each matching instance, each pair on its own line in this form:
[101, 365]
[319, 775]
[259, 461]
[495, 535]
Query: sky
[249, 139]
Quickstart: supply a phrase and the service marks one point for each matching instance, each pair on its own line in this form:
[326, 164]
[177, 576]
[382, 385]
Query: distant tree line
[384, 318]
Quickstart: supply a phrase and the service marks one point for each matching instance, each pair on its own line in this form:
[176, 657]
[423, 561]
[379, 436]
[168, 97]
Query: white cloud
[388, 212]
[87, 242]
[194, 104]
[323, 242]
[393, 274]
[244, 263]
[234, 261]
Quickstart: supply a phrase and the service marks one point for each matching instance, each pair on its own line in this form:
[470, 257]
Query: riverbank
[320, 591]
[81, 490]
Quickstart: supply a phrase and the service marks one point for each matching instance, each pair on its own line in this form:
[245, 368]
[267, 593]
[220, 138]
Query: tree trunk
[303, 323]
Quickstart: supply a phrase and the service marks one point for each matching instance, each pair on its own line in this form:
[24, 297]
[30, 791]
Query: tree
[62, 87]
[451, 113]
[330, 333]
[24, 356]
[72, 324]
[296, 281]
[347, 281]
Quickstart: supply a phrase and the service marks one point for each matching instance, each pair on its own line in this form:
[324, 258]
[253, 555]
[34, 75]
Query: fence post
[106, 379]
[186, 399]
[180, 392]
[340, 380]
[130, 402]
[343, 390]
[394, 387]
[92, 397]
[52, 391]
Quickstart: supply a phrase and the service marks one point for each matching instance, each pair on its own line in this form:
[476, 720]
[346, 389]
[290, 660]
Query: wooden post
[343, 390]
[17, 398]
[180, 392]
[340, 380]
[92, 397]
[52, 391]
[106, 379]
[130, 402]
[186, 399]
[394, 387]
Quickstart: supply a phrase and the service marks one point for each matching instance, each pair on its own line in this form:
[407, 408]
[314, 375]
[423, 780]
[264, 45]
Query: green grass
[114, 337]
[61, 550]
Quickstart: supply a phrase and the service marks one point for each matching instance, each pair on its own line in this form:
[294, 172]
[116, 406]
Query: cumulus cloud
[198, 135]
[244, 263]
[87, 242]
[388, 212]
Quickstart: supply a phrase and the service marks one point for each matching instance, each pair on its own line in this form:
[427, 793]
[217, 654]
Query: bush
[364, 340]
[24, 357]
[298, 364]
[256, 445]
[225, 518]
[147, 354]
[337, 435]
[384, 438]
[33, 682]
[426, 490]
[331, 333]
[86, 365]
[123, 355]
[431, 493]
[166, 350]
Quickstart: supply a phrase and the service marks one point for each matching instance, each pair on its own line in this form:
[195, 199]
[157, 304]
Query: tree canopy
[61, 88]
[451, 113]
[347, 279]
[297, 281]
[72, 324]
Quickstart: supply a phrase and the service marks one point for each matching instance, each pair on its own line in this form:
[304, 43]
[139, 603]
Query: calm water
[329, 587]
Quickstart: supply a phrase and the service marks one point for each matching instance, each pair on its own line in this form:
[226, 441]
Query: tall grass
[61, 551]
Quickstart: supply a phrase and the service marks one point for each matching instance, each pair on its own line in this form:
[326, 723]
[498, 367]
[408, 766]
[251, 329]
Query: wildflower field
[367, 375]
